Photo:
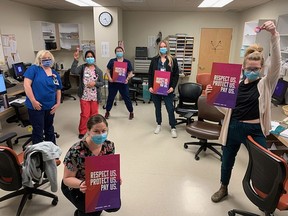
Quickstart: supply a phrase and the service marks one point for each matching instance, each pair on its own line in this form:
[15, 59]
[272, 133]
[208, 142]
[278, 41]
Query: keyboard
[10, 99]
[9, 85]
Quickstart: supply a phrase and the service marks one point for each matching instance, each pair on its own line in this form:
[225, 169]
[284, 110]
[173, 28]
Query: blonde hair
[169, 56]
[40, 55]
[254, 53]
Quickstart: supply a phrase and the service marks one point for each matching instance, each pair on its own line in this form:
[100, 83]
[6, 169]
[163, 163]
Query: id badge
[55, 81]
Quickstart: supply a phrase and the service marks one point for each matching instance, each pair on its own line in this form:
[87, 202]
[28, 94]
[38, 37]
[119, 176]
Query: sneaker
[76, 213]
[80, 136]
[158, 129]
[131, 115]
[173, 133]
[107, 114]
[220, 194]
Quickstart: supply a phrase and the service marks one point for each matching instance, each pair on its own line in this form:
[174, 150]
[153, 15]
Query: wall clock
[105, 19]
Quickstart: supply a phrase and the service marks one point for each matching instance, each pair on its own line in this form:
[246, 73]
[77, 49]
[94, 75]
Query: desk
[15, 90]
[8, 112]
[277, 114]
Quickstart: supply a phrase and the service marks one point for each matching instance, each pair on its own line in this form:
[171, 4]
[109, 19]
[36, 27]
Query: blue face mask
[98, 139]
[90, 60]
[163, 50]
[119, 54]
[46, 62]
[251, 75]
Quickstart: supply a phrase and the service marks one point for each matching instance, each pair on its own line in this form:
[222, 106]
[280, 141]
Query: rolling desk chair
[204, 80]
[66, 86]
[266, 180]
[11, 179]
[188, 98]
[135, 89]
[21, 117]
[207, 127]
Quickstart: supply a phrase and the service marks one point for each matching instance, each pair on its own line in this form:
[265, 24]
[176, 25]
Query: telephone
[11, 80]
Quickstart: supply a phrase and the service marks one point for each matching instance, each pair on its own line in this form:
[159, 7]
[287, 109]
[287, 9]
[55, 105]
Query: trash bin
[146, 93]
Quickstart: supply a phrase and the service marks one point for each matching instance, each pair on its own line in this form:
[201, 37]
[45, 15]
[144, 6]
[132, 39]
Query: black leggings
[77, 198]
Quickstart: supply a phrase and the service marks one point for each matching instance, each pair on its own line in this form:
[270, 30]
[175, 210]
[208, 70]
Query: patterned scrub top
[89, 94]
[75, 157]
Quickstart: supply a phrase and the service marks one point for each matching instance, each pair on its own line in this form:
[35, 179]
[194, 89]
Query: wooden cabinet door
[214, 47]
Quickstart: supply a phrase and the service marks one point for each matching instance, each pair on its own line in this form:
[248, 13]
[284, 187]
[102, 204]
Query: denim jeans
[168, 100]
[123, 89]
[42, 120]
[237, 134]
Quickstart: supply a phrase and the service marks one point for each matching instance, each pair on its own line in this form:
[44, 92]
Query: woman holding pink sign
[119, 71]
[94, 144]
[163, 77]
[252, 113]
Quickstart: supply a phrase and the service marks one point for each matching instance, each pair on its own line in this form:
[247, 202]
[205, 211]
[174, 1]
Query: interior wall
[270, 10]
[108, 35]
[15, 19]
[86, 21]
[139, 25]
[133, 27]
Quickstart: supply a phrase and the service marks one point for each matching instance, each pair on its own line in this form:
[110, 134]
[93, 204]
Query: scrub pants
[88, 109]
[237, 134]
[42, 120]
[123, 89]
[77, 198]
[168, 100]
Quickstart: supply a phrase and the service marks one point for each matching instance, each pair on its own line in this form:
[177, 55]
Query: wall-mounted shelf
[69, 34]
[251, 37]
[181, 46]
[44, 36]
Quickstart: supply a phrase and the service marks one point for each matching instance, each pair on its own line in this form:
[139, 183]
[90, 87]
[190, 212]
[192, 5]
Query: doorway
[214, 47]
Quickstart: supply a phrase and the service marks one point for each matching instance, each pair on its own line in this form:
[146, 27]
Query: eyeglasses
[253, 69]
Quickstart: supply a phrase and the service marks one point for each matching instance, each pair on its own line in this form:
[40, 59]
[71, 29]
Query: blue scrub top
[44, 87]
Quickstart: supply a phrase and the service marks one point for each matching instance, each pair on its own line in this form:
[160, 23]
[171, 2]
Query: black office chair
[135, 89]
[11, 179]
[7, 138]
[66, 85]
[187, 101]
[207, 127]
[266, 180]
[21, 117]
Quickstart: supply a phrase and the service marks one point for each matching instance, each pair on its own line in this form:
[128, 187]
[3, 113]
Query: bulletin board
[2, 58]
[9, 49]
[87, 45]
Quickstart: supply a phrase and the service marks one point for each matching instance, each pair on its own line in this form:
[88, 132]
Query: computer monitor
[19, 69]
[3, 89]
[141, 52]
[278, 96]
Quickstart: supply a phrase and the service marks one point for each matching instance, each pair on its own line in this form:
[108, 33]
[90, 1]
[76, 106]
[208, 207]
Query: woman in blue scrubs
[114, 87]
[42, 86]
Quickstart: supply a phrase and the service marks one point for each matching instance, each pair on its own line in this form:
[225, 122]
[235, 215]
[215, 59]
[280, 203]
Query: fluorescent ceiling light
[84, 3]
[214, 3]
[132, 1]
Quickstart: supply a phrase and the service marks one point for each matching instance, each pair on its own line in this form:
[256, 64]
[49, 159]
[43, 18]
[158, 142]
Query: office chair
[11, 179]
[204, 80]
[21, 116]
[266, 180]
[187, 101]
[8, 138]
[207, 127]
[66, 85]
[135, 89]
